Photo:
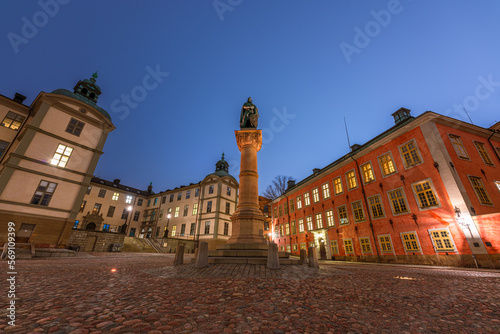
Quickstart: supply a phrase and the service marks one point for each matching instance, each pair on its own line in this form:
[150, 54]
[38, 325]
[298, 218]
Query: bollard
[303, 256]
[179, 255]
[202, 256]
[313, 257]
[273, 260]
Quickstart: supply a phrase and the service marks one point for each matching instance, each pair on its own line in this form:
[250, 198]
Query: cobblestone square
[147, 294]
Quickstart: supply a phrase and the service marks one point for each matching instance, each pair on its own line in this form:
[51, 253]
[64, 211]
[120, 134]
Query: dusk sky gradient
[286, 55]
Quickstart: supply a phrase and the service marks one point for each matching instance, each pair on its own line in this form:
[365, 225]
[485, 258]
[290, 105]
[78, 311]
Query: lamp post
[168, 223]
[129, 209]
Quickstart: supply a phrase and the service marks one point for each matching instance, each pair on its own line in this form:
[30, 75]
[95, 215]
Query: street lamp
[168, 222]
[124, 228]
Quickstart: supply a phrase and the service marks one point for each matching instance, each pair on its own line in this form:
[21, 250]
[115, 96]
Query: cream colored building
[49, 152]
[199, 211]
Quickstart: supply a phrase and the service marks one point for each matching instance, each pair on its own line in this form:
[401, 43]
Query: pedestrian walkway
[145, 293]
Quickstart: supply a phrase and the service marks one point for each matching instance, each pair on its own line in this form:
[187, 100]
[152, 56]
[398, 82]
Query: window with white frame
[326, 190]
[330, 221]
[319, 220]
[315, 193]
[61, 156]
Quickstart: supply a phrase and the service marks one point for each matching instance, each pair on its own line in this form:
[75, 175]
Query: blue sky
[306, 65]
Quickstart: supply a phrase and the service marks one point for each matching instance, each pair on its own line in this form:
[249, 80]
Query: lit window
[329, 218]
[281, 230]
[43, 193]
[75, 127]
[111, 211]
[386, 164]
[442, 240]
[115, 196]
[337, 182]
[207, 227]
[3, 147]
[481, 193]
[342, 211]
[186, 210]
[211, 189]
[309, 222]
[301, 225]
[61, 156]
[483, 153]
[287, 229]
[315, 193]
[176, 213]
[385, 243]
[226, 228]
[307, 199]
[97, 208]
[410, 241]
[367, 172]
[357, 208]
[319, 220]
[128, 199]
[294, 229]
[458, 146]
[326, 190]
[174, 228]
[410, 154]
[365, 245]
[228, 192]
[398, 202]
[102, 193]
[209, 206]
[303, 245]
[292, 206]
[13, 121]
[425, 194]
[376, 206]
[299, 203]
[348, 246]
[351, 180]
[82, 207]
[295, 247]
[334, 246]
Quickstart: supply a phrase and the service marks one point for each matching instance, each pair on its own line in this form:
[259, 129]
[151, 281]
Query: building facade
[199, 211]
[425, 191]
[48, 154]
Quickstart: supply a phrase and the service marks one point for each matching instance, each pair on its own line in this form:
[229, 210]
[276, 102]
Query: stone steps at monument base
[248, 260]
[237, 246]
[244, 253]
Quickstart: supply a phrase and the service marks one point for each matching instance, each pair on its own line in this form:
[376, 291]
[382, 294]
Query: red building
[426, 191]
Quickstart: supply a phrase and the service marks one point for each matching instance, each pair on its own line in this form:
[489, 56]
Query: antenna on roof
[467, 115]
[347, 134]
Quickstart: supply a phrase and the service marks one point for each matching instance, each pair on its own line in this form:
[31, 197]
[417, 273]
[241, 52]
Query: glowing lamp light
[169, 215]
[113, 270]
[129, 208]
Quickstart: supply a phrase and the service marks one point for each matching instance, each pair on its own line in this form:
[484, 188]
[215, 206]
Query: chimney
[401, 114]
[291, 184]
[354, 147]
[150, 187]
[316, 170]
[116, 181]
[19, 98]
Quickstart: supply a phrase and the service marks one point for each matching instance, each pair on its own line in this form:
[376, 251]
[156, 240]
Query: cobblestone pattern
[145, 295]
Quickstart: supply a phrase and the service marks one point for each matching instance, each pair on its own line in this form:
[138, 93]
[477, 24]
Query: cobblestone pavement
[146, 294]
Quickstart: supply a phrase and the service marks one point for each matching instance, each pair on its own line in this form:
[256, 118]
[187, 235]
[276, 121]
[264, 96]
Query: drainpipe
[491, 144]
[198, 217]
[367, 208]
